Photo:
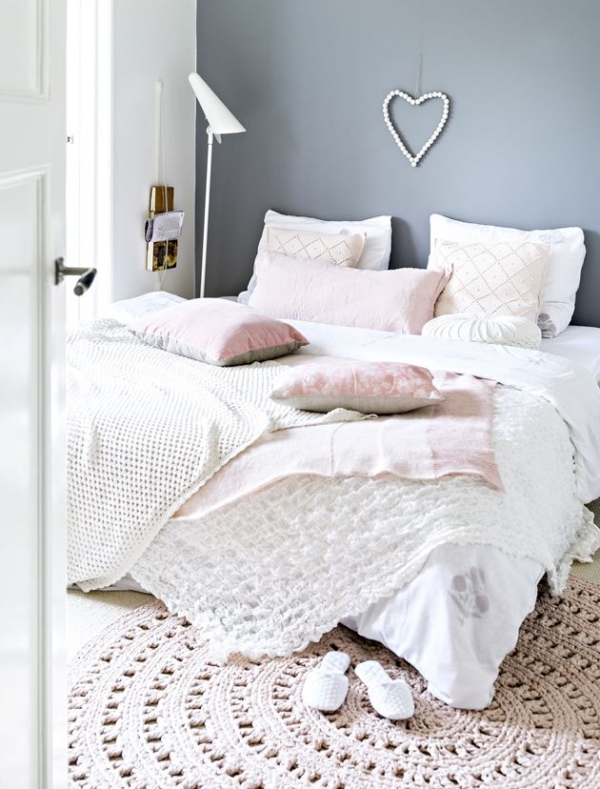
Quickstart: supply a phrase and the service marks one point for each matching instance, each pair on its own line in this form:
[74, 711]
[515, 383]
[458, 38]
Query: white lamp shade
[220, 120]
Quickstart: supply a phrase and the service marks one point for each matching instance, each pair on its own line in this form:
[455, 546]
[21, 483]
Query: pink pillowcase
[369, 387]
[217, 331]
[401, 300]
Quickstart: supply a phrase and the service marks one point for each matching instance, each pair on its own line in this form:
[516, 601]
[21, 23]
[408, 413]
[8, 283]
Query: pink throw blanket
[450, 438]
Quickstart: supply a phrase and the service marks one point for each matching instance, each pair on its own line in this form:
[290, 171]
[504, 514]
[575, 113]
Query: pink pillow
[401, 300]
[369, 387]
[218, 332]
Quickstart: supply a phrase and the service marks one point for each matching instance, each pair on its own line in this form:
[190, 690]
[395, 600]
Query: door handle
[86, 276]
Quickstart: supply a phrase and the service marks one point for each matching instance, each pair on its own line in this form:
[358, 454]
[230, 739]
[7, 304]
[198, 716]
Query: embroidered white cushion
[491, 279]
[499, 330]
[369, 387]
[335, 249]
[564, 268]
[377, 231]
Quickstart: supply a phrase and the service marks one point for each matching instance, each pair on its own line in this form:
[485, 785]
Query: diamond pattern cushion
[567, 253]
[492, 279]
[335, 249]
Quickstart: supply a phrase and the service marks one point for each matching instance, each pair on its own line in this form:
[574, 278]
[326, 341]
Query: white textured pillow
[500, 330]
[377, 231]
[335, 249]
[564, 267]
[491, 279]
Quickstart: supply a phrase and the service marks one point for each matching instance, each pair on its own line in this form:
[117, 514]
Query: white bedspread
[270, 572]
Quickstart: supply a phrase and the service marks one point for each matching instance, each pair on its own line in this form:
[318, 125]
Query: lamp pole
[206, 210]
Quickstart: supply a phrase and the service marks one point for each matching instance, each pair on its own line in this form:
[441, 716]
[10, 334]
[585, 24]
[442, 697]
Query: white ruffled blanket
[146, 429]
[270, 572]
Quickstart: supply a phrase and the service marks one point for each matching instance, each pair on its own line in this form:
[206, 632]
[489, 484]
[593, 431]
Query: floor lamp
[220, 121]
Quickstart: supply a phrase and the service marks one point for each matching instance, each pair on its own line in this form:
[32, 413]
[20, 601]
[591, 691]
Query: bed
[273, 548]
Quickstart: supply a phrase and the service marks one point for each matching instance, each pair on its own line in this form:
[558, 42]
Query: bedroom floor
[88, 614]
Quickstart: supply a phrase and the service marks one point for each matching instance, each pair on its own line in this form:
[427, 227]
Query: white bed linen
[580, 344]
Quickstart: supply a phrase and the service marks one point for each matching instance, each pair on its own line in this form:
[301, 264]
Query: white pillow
[564, 268]
[138, 306]
[378, 242]
[497, 330]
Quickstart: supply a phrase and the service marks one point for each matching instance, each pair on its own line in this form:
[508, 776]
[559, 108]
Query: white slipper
[391, 698]
[325, 687]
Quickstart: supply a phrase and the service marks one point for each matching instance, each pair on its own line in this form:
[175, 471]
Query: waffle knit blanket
[146, 429]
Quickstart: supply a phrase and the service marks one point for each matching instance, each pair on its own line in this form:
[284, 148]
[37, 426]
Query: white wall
[151, 39]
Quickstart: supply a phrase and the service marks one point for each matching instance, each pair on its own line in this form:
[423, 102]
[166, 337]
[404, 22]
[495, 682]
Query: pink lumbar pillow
[401, 300]
[218, 332]
[369, 387]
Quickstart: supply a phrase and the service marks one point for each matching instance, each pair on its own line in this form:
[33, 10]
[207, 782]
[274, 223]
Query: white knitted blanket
[145, 430]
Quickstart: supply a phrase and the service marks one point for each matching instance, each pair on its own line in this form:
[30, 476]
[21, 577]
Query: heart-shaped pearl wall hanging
[415, 159]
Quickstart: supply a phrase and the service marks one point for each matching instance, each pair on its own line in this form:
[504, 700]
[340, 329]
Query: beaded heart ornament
[415, 159]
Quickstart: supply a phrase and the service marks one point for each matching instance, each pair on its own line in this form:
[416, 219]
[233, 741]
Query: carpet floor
[150, 708]
[590, 571]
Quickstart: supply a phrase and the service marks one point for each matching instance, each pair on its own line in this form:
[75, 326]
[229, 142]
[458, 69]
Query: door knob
[86, 276]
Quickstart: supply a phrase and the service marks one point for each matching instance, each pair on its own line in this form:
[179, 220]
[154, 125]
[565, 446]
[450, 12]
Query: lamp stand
[206, 210]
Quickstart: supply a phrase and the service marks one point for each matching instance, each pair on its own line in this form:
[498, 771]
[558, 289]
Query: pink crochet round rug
[150, 710]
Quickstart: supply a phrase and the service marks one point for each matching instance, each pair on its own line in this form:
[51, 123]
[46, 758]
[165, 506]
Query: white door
[32, 485]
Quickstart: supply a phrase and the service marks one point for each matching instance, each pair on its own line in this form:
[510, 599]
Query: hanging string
[419, 91]
[420, 29]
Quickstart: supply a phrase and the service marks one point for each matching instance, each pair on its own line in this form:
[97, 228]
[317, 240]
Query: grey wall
[308, 78]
